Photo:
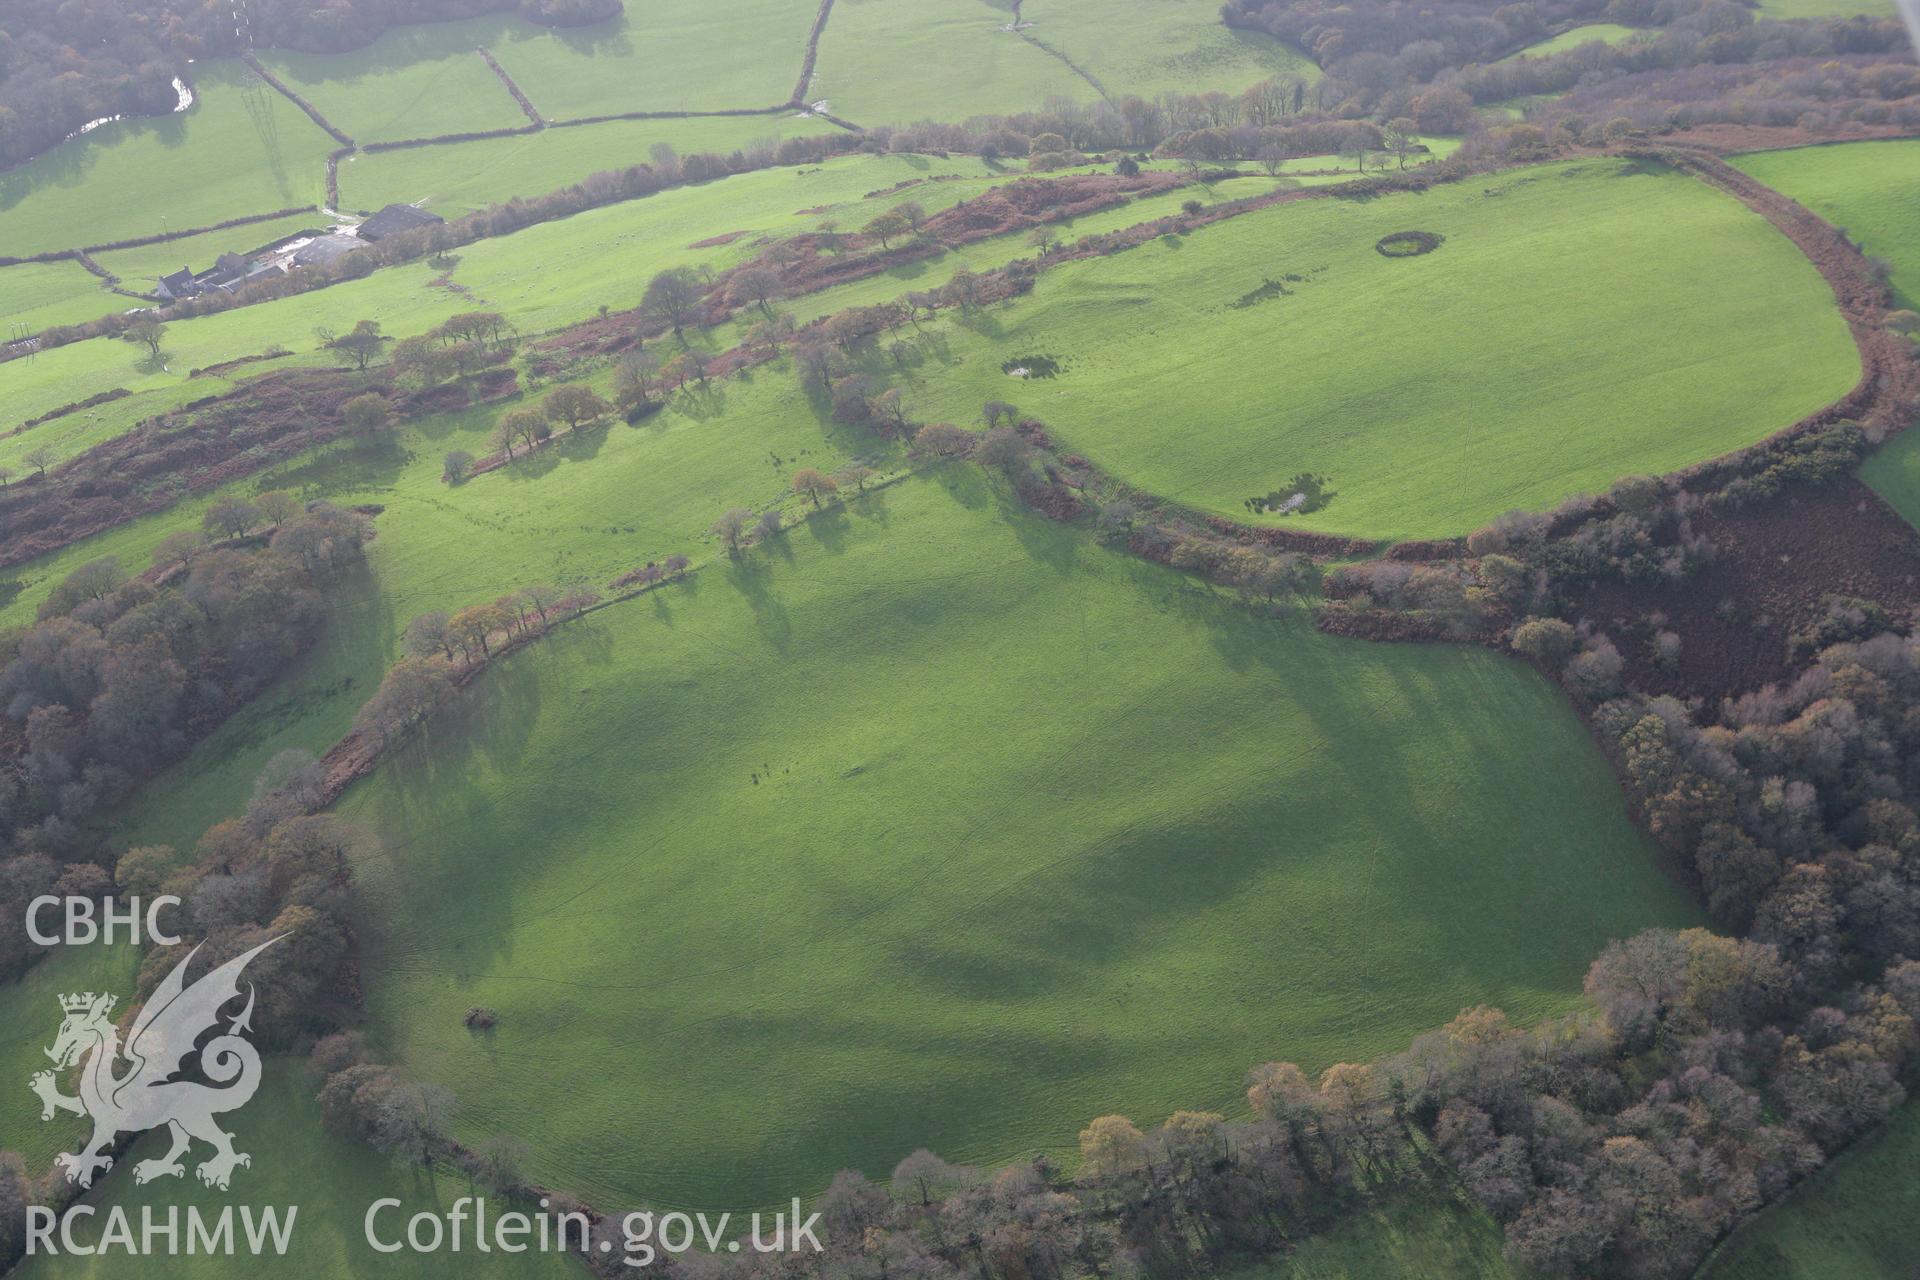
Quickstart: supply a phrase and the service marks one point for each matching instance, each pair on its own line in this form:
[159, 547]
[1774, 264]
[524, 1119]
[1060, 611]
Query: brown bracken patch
[1774, 566]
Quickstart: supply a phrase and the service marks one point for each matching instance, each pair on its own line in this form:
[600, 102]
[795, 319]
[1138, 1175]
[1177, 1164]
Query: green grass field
[543, 276]
[1782, 9]
[240, 149]
[113, 364]
[1093, 888]
[296, 1162]
[1858, 1219]
[1586, 33]
[1401, 1238]
[39, 295]
[1893, 471]
[463, 176]
[413, 82]
[1150, 47]
[665, 55]
[30, 1017]
[44, 294]
[1869, 189]
[898, 61]
[1585, 298]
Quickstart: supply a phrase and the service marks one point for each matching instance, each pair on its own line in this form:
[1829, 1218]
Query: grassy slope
[1859, 1219]
[29, 1019]
[42, 294]
[665, 55]
[413, 82]
[116, 364]
[1893, 470]
[629, 495]
[1869, 188]
[997, 251]
[1586, 304]
[1401, 1238]
[1586, 33]
[544, 276]
[897, 61]
[911, 847]
[463, 176]
[236, 151]
[1149, 47]
[296, 1162]
[1826, 8]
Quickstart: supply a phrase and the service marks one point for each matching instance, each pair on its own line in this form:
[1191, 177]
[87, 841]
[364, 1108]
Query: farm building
[227, 274]
[394, 219]
[178, 285]
[325, 250]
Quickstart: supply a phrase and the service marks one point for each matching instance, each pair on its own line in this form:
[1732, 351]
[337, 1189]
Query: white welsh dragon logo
[148, 1095]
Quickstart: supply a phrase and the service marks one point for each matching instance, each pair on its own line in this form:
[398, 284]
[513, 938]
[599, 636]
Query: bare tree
[146, 332]
[278, 506]
[673, 297]
[732, 526]
[230, 516]
[758, 285]
[411, 1122]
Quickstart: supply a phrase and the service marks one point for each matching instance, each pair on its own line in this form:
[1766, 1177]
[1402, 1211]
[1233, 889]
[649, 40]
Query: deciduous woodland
[1132, 639]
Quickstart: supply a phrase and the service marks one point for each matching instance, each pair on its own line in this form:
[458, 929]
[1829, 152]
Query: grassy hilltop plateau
[1117, 638]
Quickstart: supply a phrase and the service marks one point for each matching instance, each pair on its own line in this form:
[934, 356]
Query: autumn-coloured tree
[814, 485]
[1111, 1145]
[943, 440]
[574, 404]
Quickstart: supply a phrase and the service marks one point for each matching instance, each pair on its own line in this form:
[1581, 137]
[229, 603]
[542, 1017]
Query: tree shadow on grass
[1054, 545]
[964, 484]
[702, 403]
[829, 527]
[752, 577]
[871, 505]
[534, 466]
[583, 444]
[433, 789]
[346, 467]
[980, 322]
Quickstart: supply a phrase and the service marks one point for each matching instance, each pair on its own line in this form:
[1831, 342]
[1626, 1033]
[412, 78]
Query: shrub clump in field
[1408, 244]
[1305, 492]
[1031, 367]
[1268, 290]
